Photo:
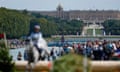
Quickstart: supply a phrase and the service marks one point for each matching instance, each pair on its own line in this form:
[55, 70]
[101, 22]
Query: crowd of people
[16, 43]
[97, 50]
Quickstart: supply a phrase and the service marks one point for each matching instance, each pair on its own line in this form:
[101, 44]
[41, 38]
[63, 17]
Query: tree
[112, 26]
[14, 23]
[6, 64]
[48, 28]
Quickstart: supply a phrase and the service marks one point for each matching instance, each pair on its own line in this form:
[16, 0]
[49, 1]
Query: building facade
[85, 15]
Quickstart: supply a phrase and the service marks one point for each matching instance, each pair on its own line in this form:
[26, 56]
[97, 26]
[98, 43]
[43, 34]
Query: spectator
[52, 53]
[19, 57]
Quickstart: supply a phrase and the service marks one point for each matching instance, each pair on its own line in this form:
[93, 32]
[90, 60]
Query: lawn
[97, 31]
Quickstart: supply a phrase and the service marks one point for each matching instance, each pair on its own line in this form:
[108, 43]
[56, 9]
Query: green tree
[48, 28]
[112, 26]
[13, 23]
[6, 64]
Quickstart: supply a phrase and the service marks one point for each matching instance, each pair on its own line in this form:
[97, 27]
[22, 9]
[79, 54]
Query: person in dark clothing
[52, 53]
[19, 57]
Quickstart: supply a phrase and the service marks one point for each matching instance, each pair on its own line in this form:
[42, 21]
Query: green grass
[98, 32]
[89, 31]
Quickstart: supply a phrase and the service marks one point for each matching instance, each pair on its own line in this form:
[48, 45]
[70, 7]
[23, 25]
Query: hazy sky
[67, 4]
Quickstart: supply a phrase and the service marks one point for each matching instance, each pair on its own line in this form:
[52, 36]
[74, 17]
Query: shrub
[70, 63]
[6, 64]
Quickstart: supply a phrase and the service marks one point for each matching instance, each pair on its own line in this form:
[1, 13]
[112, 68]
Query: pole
[85, 60]
[94, 33]
[5, 40]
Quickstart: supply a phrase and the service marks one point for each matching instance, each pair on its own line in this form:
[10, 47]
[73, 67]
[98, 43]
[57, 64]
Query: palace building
[85, 15]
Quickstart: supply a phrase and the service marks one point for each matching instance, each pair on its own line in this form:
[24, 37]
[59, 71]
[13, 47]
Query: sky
[49, 5]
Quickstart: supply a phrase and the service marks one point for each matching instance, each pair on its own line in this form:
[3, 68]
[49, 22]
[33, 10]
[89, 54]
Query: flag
[1, 35]
[117, 54]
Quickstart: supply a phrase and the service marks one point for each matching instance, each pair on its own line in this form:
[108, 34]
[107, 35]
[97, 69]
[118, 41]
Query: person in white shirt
[37, 40]
[37, 48]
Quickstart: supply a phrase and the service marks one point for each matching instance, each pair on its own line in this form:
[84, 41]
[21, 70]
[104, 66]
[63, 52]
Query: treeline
[20, 23]
[14, 23]
[112, 27]
[56, 26]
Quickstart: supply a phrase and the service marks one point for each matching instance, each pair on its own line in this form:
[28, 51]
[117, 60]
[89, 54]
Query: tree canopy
[59, 26]
[13, 23]
[112, 27]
